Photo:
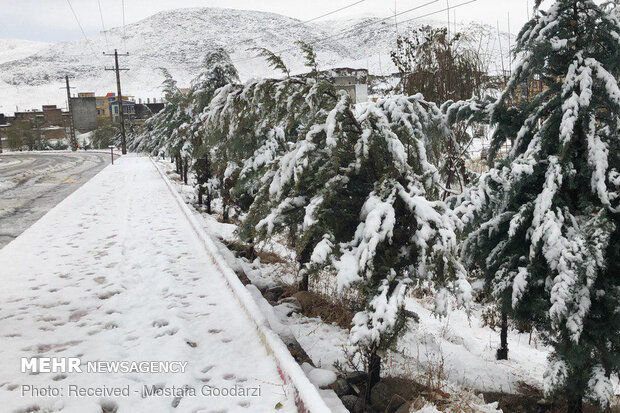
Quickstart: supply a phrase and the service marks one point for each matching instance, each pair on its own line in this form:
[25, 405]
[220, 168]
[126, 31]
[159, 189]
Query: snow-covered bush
[545, 222]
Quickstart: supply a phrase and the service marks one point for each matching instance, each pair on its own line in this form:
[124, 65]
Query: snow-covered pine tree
[217, 72]
[546, 217]
[157, 130]
[295, 178]
[250, 126]
[357, 195]
[310, 58]
[381, 223]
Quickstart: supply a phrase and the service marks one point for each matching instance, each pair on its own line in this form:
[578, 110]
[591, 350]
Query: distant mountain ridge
[178, 39]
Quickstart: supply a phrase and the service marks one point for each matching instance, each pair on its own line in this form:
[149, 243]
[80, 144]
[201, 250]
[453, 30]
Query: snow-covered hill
[15, 49]
[178, 40]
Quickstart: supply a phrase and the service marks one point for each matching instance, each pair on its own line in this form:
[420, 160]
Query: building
[50, 122]
[129, 108]
[352, 81]
[53, 116]
[84, 112]
[107, 107]
[33, 118]
[103, 108]
[527, 90]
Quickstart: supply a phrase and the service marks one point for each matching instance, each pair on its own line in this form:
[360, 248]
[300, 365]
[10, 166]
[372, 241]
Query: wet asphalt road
[33, 183]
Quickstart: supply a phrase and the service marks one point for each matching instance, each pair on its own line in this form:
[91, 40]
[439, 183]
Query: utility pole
[120, 96]
[72, 139]
[448, 9]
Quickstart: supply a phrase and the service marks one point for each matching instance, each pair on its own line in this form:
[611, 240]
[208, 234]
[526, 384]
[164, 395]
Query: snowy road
[32, 183]
[115, 273]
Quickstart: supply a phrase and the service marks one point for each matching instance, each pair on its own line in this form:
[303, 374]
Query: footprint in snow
[160, 323]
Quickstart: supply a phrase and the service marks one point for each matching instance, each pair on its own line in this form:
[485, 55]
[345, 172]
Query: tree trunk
[224, 212]
[200, 192]
[303, 259]
[574, 403]
[502, 351]
[185, 168]
[304, 283]
[251, 251]
[374, 373]
[208, 201]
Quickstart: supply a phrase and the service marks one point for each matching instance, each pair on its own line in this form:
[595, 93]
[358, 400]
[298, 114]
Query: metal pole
[117, 69]
[72, 140]
[120, 104]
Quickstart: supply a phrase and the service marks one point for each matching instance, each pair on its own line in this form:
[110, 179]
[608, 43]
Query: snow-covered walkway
[112, 273]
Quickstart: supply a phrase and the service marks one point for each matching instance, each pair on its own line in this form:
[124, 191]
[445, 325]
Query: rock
[353, 403]
[306, 367]
[341, 387]
[356, 377]
[273, 294]
[384, 399]
[296, 350]
[305, 300]
[289, 305]
[321, 377]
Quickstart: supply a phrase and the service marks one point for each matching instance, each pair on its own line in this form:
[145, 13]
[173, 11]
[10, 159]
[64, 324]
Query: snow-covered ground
[115, 273]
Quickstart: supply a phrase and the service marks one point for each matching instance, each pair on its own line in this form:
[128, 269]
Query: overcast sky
[52, 20]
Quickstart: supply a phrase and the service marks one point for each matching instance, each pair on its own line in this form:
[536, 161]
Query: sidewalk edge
[307, 397]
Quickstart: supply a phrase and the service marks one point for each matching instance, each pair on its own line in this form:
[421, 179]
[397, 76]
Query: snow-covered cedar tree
[545, 219]
[254, 124]
[249, 126]
[468, 120]
[310, 58]
[195, 145]
[274, 60]
[297, 170]
[402, 231]
[360, 195]
[157, 130]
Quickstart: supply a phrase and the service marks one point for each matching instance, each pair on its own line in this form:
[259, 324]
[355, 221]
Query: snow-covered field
[115, 273]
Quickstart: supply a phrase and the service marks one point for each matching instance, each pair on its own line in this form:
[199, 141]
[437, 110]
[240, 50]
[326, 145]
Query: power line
[103, 25]
[438, 11]
[422, 16]
[124, 30]
[82, 30]
[289, 26]
[330, 13]
[353, 29]
[301, 23]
